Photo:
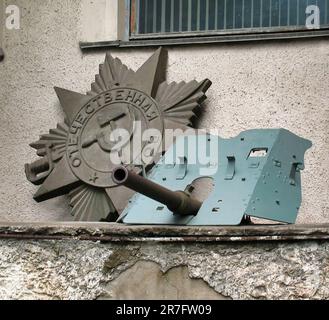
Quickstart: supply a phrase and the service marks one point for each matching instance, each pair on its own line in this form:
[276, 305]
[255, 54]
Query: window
[179, 22]
[184, 18]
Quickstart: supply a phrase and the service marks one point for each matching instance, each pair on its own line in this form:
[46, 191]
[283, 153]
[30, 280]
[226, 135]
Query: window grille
[177, 18]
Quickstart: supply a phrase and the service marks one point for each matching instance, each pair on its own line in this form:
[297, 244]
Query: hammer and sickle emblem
[101, 136]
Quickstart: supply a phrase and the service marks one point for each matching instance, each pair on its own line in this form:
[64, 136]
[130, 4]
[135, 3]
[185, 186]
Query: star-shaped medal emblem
[76, 156]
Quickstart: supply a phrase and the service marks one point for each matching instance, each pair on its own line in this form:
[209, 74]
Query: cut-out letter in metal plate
[79, 155]
[257, 174]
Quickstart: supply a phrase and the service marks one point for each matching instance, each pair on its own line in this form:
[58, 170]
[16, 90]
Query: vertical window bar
[180, 15]
[320, 11]
[234, 14]
[270, 15]
[225, 15]
[189, 18]
[132, 17]
[207, 14]
[216, 15]
[137, 15]
[307, 4]
[163, 16]
[146, 16]
[172, 16]
[242, 13]
[288, 15]
[326, 12]
[261, 13]
[297, 12]
[154, 17]
[168, 18]
[252, 14]
[198, 14]
[279, 13]
[317, 3]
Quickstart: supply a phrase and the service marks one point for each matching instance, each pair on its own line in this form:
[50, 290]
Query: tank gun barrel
[179, 202]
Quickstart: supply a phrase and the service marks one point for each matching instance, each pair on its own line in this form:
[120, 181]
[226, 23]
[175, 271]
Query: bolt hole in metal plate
[256, 186]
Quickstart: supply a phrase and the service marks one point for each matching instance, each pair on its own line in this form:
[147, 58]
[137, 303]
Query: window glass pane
[266, 7]
[212, 15]
[301, 12]
[257, 14]
[185, 14]
[221, 14]
[229, 14]
[142, 16]
[203, 15]
[158, 4]
[238, 13]
[194, 15]
[283, 13]
[247, 10]
[275, 11]
[292, 12]
[323, 6]
[225, 16]
[177, 15]
[149, 17]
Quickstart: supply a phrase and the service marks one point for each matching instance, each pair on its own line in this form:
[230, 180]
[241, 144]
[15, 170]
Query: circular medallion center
[106, 131]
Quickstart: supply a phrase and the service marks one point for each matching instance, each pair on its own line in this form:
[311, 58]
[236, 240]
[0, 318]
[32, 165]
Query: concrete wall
[2, 22]
[255, 85]
[99, 20]
[72, 269]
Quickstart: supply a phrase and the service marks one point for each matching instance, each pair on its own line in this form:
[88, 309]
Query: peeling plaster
[73, 269]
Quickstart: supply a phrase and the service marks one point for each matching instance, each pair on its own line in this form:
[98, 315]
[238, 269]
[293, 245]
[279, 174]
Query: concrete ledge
[109, 232]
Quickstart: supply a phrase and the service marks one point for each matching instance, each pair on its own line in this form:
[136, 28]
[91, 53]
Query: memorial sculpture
[75, 158]
[111, 176]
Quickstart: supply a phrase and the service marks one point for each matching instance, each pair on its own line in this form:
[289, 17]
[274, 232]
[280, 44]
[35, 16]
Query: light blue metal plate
[256, 173]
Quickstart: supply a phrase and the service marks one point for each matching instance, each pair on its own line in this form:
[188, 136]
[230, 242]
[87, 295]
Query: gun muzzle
[38, 171]
[179, 202]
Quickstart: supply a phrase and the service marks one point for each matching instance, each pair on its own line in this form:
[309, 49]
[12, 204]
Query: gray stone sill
[108, 232]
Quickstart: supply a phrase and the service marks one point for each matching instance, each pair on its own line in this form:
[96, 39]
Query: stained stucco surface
[259, 85]
[87, 270]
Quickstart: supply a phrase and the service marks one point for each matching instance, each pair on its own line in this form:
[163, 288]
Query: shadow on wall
[145, 280]
[2, 54]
